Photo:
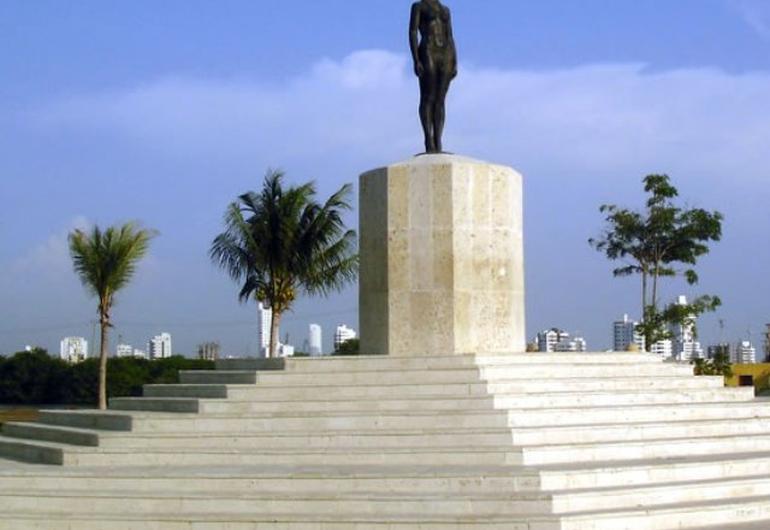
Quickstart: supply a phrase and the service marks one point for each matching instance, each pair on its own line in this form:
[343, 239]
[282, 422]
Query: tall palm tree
[280, 242]
[106, 261]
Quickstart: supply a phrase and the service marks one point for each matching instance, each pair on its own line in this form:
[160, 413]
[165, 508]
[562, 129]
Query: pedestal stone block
[442, 260]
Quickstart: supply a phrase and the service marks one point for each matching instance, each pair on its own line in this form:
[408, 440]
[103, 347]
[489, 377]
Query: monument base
[442, 269]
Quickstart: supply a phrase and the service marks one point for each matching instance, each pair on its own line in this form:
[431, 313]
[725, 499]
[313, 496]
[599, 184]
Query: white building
[549, 338]
[664, 348]
[342, 335]
[315, 347]
[575, 344]
[685, 346]
[124, 350]
[265, 322]
[744, 353]
[159, 347]
[73, 349]
[625, 334]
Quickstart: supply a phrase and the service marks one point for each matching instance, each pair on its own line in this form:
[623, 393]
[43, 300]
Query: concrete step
[35, 452]
[637, 414]
[213, 377]
[590, 475]
[675, 516]
[451, 456]
[382, 362]
[499, 401]
[143, 422]
[546, 435]
[650, 496]
[323, 392]
[81, 520]
[161, 503]
[51, 433]
[273, 479]
[274, 440]
[648, 449]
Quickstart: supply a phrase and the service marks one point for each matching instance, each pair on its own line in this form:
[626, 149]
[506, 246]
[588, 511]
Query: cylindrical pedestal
[442, 259]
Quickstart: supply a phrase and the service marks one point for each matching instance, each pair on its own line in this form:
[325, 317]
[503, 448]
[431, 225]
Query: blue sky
[165, 111]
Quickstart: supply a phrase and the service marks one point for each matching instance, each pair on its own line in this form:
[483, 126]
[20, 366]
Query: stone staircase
[521, 442]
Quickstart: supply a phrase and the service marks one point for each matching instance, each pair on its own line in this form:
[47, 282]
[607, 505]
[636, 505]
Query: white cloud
[51, 257]
[602, 118]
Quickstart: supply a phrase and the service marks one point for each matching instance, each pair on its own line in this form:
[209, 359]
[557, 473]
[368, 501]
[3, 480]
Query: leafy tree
[718, 365]
[106, 261]
[280, 241]
[663, 241]
[349, 347]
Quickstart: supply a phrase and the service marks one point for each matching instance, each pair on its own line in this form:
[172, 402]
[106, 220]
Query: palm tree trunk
[274, 330]
[104, 324]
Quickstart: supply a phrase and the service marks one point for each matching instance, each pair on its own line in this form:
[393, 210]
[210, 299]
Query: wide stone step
[272, 479]
[182, 405]
[295, 521]
[686, 515]
[382, 362]
[213, 377]
[583, 476]
[567, 383]
[453, 456]
[648, 449]
[435, 438]
[636, 414]
[88, 419]
[160, 504]
[672, 493]
[189, 391]
[51, 433]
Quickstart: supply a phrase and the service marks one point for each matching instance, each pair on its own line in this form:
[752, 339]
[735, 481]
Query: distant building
[264, 321]
[685, 346]
[717, 349]
[315, 347]
[575, 344]
[664, 348]
[625, 334]
[744, 353]
[159, 347]
[343, 334]
[208, 351]
[73, 349]
[124, 350]
[549, 338]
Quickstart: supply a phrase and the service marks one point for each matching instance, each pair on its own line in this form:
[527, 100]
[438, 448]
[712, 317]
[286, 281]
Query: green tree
[280, 241]
[349, 347]
[105, 261]
[663, 241]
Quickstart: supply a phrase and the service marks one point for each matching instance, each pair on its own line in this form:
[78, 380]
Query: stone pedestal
[442, 268]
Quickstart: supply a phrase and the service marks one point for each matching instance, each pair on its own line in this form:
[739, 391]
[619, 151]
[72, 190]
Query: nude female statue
[435, 64]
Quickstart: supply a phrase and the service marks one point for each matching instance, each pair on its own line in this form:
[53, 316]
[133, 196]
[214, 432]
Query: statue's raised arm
[433, 50]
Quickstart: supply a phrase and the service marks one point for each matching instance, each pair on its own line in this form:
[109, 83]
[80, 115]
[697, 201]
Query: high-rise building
[744, 353]
[625, 334]
[159, 347]
[685, 346]
[719, 349]
[208, 351]
[73, 349]
[343, 334]
[549, 338]
[315, 347]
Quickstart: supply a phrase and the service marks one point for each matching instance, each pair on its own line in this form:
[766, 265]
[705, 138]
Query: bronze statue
[435, 63]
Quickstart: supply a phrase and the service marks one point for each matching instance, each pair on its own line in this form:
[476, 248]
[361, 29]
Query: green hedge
[35, 378]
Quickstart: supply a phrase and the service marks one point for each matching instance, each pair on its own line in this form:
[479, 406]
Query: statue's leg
[427, 103]
[443, 79]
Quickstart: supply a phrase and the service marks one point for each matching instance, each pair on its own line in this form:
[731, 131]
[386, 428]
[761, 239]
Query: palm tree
[280, 242]
[106, 261]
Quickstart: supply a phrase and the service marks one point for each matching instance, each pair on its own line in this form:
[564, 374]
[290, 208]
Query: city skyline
[121, 113]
